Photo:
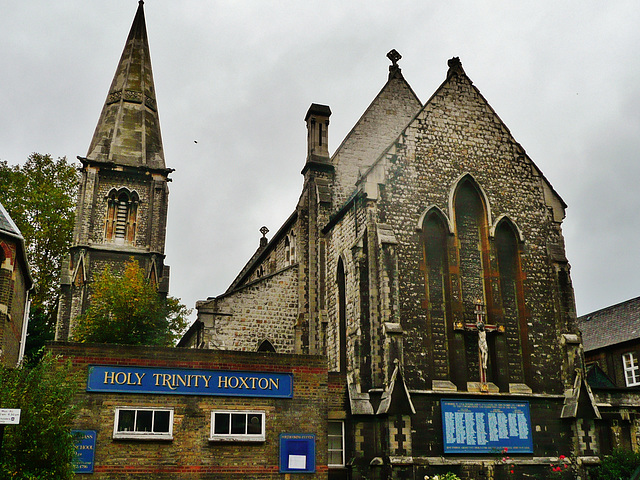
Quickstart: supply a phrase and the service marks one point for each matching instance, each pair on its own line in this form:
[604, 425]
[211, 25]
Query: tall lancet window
[473, 246]
[287, 251]
[435, 267]
[342, 317]
[511, 291]
[474, 265]
[122, 216]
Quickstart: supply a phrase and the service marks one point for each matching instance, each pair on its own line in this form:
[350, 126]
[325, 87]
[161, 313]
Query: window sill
[237, 438]
[144, 437]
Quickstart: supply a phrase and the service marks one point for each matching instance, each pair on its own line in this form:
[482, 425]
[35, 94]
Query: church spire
[128, 131]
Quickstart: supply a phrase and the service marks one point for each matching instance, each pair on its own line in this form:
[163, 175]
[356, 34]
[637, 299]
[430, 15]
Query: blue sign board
[484, 426]
[114, 378]
[297, 453]
[85, 448]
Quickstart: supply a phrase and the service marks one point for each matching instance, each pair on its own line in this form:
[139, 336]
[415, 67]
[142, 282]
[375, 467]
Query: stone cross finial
[263, 240]
[394, 56]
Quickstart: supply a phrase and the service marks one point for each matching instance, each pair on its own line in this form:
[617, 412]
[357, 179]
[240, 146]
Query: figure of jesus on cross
[483, 347]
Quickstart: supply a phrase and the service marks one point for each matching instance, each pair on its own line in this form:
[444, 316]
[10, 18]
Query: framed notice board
[85, 447]
[485, 426]
[297, 453]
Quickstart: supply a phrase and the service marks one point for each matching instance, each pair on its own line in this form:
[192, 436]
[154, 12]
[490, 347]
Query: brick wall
[13, 296]
[190, 454]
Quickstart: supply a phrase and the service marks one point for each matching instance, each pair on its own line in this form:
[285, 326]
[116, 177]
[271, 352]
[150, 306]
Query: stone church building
[425, 259]
[121, 212]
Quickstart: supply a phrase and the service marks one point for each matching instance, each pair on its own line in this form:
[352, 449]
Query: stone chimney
[317, 120]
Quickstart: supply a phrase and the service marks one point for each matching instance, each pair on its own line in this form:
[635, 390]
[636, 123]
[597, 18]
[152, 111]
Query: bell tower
[123, 196]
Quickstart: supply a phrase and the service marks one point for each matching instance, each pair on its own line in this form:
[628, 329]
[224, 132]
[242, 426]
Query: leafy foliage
[443, 476]
[620, 464]
[128, 310]
[40, 197]
[41, 446]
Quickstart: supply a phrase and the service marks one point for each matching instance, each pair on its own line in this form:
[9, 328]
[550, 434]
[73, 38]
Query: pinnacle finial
[455, 67]
[394, 56]
[394, 69]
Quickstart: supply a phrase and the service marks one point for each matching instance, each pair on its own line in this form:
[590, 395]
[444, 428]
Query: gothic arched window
[473, 246]
[511, 292]
[474, 278]
[290, 249]
[342, 317]
[435, 267]
[436, 262]
[293, 248]
[266, 346]
[287, 251]
[122, 216]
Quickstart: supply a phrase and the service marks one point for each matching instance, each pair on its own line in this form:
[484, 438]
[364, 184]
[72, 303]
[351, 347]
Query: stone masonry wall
[190, 455]
[343, 242]
[148, 209]
[458, 134]
[388, 114]
[262, 310]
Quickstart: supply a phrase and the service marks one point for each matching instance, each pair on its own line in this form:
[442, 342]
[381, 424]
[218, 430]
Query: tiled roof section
[7, 225]
[128, 131]
[610, 326]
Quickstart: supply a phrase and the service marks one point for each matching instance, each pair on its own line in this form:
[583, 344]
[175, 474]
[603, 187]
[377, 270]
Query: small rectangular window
[335, 443]
[631, 369]
[143, 423]
[237, 426]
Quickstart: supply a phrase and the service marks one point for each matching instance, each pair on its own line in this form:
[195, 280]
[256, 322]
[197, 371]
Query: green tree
[40, 197]
[620, 464]
[127, 309]
[41, 446]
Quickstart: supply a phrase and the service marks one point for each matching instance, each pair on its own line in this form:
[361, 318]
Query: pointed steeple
[128, 132]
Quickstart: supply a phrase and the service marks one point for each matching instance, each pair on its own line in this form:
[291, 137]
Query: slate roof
[6, 224]
[128, 131]
[611, 325]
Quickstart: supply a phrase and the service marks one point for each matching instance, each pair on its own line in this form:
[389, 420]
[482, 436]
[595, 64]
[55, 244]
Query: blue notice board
[85, 448]
[297, 453]
[485, 426]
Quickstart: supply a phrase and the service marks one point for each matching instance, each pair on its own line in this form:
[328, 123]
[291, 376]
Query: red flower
[562, 457]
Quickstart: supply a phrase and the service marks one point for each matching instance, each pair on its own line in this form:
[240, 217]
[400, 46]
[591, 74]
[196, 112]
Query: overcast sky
[238, 77]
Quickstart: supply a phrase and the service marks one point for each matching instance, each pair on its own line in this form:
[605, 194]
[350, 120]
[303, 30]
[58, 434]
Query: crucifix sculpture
[483, 347]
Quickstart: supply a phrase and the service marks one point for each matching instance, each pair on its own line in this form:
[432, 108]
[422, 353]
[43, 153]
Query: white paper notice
[298, 462]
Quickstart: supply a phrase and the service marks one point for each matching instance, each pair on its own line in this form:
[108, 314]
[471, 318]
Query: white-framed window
[335, 443]
[237, 426]
[143, 423]
[631, 369]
